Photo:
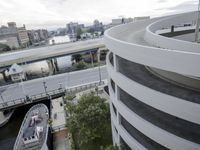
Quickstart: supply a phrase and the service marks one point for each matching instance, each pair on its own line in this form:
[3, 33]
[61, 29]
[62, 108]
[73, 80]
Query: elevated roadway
[48, 52]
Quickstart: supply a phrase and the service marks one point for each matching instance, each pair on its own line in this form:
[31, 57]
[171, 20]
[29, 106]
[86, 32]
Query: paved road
[48, 51]
[36, 86]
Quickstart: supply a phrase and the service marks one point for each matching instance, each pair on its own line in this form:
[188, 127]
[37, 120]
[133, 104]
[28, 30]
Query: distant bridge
[49, 52]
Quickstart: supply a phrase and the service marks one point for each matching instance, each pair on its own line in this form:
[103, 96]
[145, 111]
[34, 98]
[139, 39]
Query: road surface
[41, 53]
[36, 86]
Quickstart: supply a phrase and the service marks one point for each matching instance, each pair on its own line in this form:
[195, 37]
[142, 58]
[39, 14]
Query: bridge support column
[172, 28]
[98, 55]
[4, 76]
[51, 66]
[92, 60]
[56, 64]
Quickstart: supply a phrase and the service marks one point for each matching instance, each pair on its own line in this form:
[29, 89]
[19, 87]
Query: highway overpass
[48, 52]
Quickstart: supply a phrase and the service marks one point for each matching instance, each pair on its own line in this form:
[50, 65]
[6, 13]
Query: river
[9, 132]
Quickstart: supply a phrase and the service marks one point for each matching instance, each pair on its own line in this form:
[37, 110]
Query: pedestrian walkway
[61, 141]
[58, 115]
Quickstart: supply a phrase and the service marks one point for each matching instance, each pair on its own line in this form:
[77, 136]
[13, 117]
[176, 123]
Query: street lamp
[197, 24]
[44, 82]
[2, 98]
[99, 73]
[22, 85]
[66, 84]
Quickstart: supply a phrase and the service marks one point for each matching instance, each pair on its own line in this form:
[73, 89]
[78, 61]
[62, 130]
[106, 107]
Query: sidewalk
[60, 141]
[58, 114]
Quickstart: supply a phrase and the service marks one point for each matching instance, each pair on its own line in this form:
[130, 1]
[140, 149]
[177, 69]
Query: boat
[34, 129]
[5, 116]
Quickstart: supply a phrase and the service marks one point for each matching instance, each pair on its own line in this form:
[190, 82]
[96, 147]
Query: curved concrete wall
[170, 43]
[138, 42]
[175, 78]
[167, 103]
[170, 60]
[166, 139]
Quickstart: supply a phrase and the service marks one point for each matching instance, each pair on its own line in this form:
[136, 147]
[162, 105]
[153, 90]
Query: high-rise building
[14, 36]
[37, 36]
[23, 36]
[154, 83]
[73, 27]
[98, 26]
[12, 25]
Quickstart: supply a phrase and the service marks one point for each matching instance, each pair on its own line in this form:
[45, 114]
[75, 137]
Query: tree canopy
[77, 57]
[4, 47]
[89, 122]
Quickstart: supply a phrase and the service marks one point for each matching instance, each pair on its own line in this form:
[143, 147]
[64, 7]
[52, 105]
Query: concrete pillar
[172, 28]
[4, 75]
[92, 61]
[51, 66]
[56, 64]
[2, 117]
[98, 55]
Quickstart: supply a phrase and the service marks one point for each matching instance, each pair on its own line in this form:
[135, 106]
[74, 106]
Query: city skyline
[56, 13]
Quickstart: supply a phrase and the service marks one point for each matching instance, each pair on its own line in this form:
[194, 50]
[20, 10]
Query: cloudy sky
[55, 13]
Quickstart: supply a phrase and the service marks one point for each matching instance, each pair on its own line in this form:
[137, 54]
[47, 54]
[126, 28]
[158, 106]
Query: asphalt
[36, 86]
[47, 51]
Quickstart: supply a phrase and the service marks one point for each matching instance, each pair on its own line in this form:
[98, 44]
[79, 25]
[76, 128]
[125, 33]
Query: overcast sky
[55, 13]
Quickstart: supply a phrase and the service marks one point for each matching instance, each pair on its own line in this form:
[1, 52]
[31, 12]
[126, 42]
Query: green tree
[80, 65]
[77, 57]
[79, 32]
[110, 147]
[4, 47]
[89, 122]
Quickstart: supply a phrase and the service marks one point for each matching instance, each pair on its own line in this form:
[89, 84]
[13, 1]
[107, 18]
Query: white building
[16, 72]
[119, 21]
[154, 84]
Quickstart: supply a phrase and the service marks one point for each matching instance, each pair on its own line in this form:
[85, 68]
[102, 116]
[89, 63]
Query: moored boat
[34, 129]
[5, 116]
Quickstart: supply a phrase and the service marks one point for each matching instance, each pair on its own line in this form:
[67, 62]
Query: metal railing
[48, 95]
[58, 128]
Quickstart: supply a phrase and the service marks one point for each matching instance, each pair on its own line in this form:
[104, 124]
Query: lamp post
[2, 98]
[66, 85]
[99, 69]
[44, 82]
[22, 85]
[197, 24]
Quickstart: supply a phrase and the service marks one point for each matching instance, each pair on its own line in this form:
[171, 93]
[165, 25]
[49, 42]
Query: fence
[48, 95]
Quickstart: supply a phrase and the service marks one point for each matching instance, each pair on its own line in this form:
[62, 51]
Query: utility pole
[99, 73]
[197, 24]
[44, 82]
[22, 85]
[91, 57]
[2, 97]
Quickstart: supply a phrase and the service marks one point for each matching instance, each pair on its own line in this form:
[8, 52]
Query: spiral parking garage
[154, 83]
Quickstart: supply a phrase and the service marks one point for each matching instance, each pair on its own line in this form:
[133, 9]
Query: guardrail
[48, 95]
[58, 128]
